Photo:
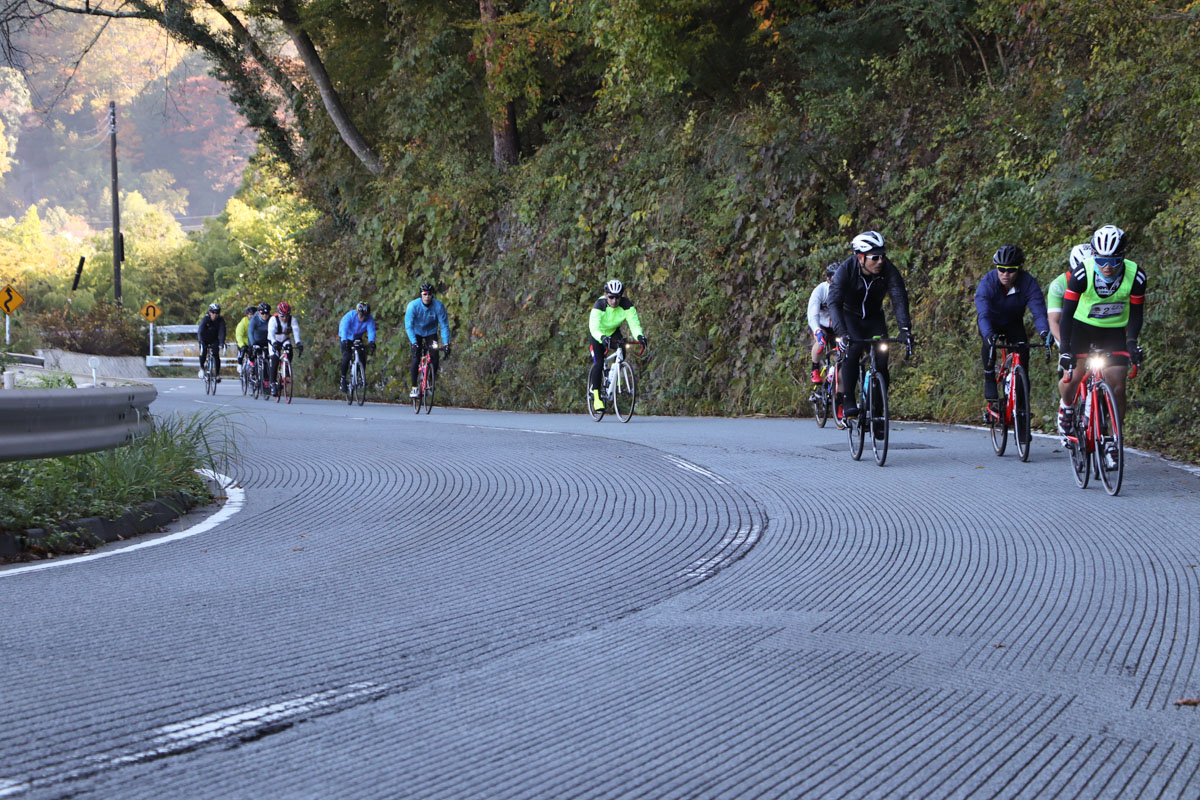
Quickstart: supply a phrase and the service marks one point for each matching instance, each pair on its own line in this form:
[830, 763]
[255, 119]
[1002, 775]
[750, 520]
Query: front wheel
[880, 423]
[1081, 465]
[625, 396]
[997, 422]
[244, 375]
[596, 414]
[820, 403]
[360, 383]
[1020, 386]
[1109, 454]
[428, 389]
[285, 381]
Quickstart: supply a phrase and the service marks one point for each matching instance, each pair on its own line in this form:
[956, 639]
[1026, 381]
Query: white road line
[706, 568]
[188, 734]
[236, 499]
[679, 462]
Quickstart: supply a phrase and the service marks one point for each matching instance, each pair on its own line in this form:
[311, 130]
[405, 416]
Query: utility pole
[118, 243]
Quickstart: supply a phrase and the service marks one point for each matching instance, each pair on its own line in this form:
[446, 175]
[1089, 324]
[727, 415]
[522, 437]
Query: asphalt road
[486, 604]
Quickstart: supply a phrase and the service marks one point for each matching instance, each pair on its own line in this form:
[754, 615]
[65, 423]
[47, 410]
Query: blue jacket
[351, 327]
[258, 330]
[999, 309]
[423, 320]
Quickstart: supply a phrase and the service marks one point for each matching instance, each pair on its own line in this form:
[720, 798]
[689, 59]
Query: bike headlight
[883, 347]
[1096, 362]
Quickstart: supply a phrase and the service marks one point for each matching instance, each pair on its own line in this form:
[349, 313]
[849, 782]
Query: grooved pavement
[474, 604]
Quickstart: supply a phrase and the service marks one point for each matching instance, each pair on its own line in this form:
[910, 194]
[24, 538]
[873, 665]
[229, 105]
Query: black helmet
[1010, 255]
[264, 308]
[364, 308]
[251, 309]
[427, 287]
[831, 268]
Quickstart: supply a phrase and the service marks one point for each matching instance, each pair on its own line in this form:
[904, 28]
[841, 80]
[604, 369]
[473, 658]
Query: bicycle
[873, 403]
[425, 380]
[244, 372]
[1012, 381]
[824, 394]
[257, 367]
[620, 385]
[356, 382]
[281, 387]
[210, 371]
[1095, 442]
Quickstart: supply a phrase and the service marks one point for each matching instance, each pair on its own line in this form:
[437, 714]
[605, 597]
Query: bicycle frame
[614, 370]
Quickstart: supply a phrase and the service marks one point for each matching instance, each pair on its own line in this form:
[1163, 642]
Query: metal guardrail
[43, 423]
[168, 360]
[21, 358]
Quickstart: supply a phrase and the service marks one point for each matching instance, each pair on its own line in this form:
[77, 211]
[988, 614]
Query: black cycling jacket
[211, 330]
[855, 296]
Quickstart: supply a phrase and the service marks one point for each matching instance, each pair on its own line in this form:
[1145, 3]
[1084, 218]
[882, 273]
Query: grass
[50, 492]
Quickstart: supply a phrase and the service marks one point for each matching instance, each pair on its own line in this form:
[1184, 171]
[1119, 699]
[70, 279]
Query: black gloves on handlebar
[906, 335]
[416, 350]
[844, 342]
[371, 348]
[1135, 352]
[446, 350]
[1066, 361]
[1047, 339]
[606, 341]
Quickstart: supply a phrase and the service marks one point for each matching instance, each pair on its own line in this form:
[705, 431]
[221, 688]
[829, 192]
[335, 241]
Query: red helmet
[284, 309]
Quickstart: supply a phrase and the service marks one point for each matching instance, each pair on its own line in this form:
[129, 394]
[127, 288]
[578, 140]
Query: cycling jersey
[211, 330]
[855, 296]
[1054, 293]
[257, 329]
[425, 320]
[279, 330]
[1000, 309]
[241, 334]
[604, 320]
[351, 327]
[1120, 305]
[818, 308]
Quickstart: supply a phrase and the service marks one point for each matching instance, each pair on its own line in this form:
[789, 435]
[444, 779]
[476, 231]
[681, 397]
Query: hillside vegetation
[714, 157]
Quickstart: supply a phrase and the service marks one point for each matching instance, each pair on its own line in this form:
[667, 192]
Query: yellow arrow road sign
[151, 312]
[10, 298]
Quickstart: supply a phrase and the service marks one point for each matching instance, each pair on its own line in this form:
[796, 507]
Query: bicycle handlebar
[1004, 344]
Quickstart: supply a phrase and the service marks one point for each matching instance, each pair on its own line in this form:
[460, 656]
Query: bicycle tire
[430, 377]
[854, 425]
[820, 403]
[244, 377]
[1108, 429]
[625, 394]
[255, 382]
[1081, 462]
[210, 384]
[596, 415]
[880, 423]
[997, 422]
[285, 390]
[1021, 413]
[360, 382]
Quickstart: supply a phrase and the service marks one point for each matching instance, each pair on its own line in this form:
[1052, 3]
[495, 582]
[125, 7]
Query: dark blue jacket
[258, 330]
[1000, 309]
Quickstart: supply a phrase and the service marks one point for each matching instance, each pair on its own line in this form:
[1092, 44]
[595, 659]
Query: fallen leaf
[297, 549]
[997, 646]
[1188, 701]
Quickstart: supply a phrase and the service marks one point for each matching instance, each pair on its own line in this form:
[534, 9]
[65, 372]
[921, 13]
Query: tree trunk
[290, 17]
[506, 145]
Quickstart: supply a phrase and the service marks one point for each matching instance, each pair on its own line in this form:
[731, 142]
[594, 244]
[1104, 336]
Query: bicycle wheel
[1021, 418]
[880, 424]
[856, 427]
[591, 407]
[997, 422]
[210, 384]
[1081, 462]
[429, 388]
[420, 390]
[255, 381]
[244, 377]
[820, 404]
[625, 395]
[285, 380]
[360, 383]
[1109, 454]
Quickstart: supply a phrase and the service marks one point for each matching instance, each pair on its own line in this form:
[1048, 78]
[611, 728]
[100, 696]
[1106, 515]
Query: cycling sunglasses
[1008, 270]
[878, 257]
[1109, 261]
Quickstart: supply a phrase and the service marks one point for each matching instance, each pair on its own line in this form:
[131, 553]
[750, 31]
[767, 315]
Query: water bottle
[1007, 383]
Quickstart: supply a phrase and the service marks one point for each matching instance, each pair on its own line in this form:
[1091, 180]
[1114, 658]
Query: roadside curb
[93, 531]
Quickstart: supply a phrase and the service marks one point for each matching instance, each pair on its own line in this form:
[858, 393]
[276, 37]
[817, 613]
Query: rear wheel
[1021, 422]
[1110, 447]
[880, 424]
[625, 396]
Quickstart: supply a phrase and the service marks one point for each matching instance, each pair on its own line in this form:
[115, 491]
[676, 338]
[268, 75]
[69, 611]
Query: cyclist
[210, 331]
[422, 319]
[1103, 307]
[282, 331]
[1058, 286]
[1000, 303]
[819, 322]
[257, 330]
[241, 335]
[604, 323]
[856, 309]
[355, 324]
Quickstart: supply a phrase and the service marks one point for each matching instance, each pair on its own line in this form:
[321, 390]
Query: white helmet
[1108, 241]
[867, 241]
[614, 287]
[1079, 254]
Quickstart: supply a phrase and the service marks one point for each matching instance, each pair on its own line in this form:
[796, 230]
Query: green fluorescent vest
[1106, 312]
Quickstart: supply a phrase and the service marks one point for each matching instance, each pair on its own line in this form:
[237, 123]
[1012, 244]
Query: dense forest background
[712, 155]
